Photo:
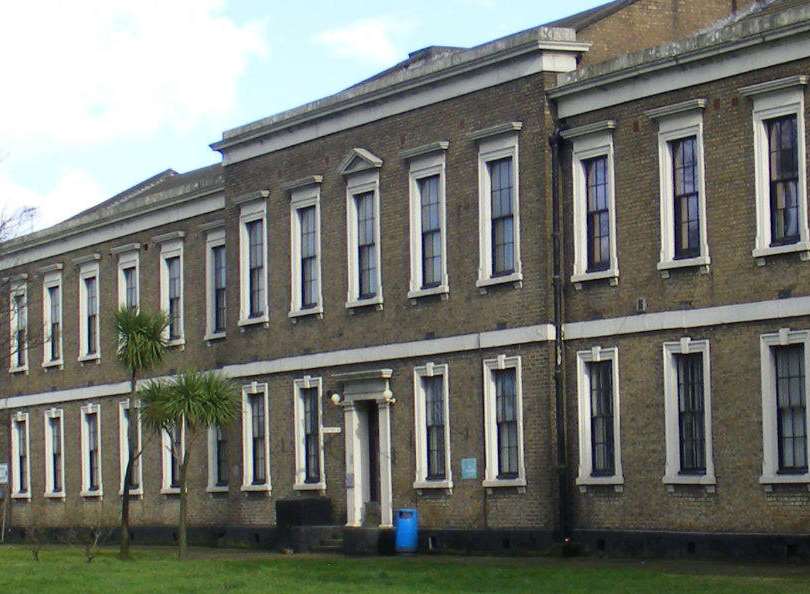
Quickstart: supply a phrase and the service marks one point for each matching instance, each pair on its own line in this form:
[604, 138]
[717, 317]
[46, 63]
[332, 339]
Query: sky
[97, 95]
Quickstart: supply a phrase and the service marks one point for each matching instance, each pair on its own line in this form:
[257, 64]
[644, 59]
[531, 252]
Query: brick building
[377, 270]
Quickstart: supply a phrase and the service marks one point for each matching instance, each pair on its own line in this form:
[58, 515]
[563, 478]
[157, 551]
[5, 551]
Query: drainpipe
[559, 380]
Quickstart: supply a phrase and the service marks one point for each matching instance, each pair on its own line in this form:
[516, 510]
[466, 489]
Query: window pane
[256, 276]
[431, 231]
[691, 415]
[791, 408]
[219, 297]
[783, 158]
[175, 313]
[309, 257]
[602, 444]
[598, 214]
[367, 251]
[506, 422]
[502, 229]
[312, 456]
[433, 388]
[686, 201]
[258, 438]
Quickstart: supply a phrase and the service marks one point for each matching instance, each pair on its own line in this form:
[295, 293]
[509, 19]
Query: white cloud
[94, 71]
[369, 40]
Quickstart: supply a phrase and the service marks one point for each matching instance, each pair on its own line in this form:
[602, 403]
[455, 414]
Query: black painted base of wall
[486, 542]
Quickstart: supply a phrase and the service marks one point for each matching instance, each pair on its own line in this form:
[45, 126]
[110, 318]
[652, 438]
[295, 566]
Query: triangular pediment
[358, 160]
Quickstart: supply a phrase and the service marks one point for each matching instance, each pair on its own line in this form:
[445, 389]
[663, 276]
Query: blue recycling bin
[406, 525]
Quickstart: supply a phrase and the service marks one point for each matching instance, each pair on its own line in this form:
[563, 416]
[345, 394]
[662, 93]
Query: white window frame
[300, 384]
[213, 487]
[247, 436]
[123, 446]
[589, 142]
[86, 410]
[500, 145]
[491, 479]
[16, 420]
[168, 250]
[770, 447]
[54, 413]
[430, 370]
[129, 257]
[775, 99]
[254, 210]
[676, 122]
[52, 280]
[86, 271]
[360, 183]
[166, 460]
[300, 198]
[673, 476]
[585, 476]
[214, 238]
[420, 167]
[18, 288]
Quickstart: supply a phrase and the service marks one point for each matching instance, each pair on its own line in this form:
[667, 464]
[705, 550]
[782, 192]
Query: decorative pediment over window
[359, 160]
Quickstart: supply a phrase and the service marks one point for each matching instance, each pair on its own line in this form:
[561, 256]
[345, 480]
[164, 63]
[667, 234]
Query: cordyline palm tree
[195, 401]
[141, 347]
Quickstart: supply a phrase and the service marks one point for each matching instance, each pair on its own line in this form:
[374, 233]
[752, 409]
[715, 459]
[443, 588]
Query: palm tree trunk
[182, 538]
[131, 445]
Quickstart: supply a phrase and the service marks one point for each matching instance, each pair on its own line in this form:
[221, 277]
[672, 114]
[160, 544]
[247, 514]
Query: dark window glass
[686, 197]
[218, 262]
[256, 275]
[20, 317]
[91, 419]
[55, 425]
[691, 417]
[22, 456]
[91, 291]
[176, 437]
[503, 221]
[602, 446]
[175, 311]
[431, 231]
[366, 245]
[221, 457]
[55, 315]
[791, 409]
[257, 434]
[130, 289]
[507, 424]
[311, 435]
[134, 473]
[434, 427]
[598, 213]
[309, 257]
[783, 173]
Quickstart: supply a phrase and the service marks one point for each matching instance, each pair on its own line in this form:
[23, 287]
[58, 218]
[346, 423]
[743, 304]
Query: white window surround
[247, 437]
[215, 237]
[54, 413]
[490, 422]
[673, 474]
[213, 487]
[421, 481]
[306, 383]
[172, 249]
[17, 420]
[502, 143]
[589, 142]
[252, 210]
[676, 122]
[304, 197]
[86, 271]
[585, 476]
[166, 460]
[423, 165]
[123, 447]
[52, 279]
[128, 257]
[85, 442]
[360, 183]
[770, 447]
[18, 288]
[775, 99]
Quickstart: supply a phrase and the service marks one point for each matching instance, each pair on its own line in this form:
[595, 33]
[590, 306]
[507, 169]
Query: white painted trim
[504, 144]
[129, 259]
[52, 280]
[214, 238]
[423, 166]
[18, 288]
[424, 149]
[496, 130]
[17, 420]
[247, 436]
[356, 184]
[585, 475]
[590, 142]
[770, 446]
[123, 447]
[491, 479]
[88, 271]
[299, 420]
[673, 475]
[54, 413]
[421, 481]
[166, 455]
[768, 104]
[91, 408]
[300, 198]
[252, 211]
[172, 247]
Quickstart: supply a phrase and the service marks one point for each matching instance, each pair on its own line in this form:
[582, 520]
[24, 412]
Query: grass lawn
[63, 569]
